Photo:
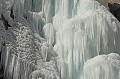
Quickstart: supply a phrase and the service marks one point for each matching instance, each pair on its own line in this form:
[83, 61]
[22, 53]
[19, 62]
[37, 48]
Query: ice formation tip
[102, 67]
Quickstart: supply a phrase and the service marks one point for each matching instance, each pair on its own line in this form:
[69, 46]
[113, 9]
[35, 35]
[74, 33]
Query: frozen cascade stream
[59, 39]
[85, 31]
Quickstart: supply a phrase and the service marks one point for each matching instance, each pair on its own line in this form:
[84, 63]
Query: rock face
[57, 39]
[114, 1]
[115, 10]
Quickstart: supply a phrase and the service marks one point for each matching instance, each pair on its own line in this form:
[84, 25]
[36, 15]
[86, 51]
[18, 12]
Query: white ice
[53, 39]
[102, 67]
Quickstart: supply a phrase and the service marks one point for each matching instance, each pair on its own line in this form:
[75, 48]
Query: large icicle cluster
[53, 39]
[88, 31]
[102, 67]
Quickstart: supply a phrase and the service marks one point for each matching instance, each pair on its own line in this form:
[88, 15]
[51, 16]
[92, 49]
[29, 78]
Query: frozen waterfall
[59, 39]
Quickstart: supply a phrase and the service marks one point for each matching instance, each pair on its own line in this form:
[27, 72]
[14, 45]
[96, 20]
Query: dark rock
[115, 10]
[11, 14]
[5, 22]
[1, 73]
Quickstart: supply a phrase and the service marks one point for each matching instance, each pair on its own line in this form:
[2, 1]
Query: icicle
[49, 33]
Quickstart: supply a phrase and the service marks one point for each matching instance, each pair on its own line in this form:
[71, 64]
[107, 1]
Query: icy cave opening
[59, 39]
